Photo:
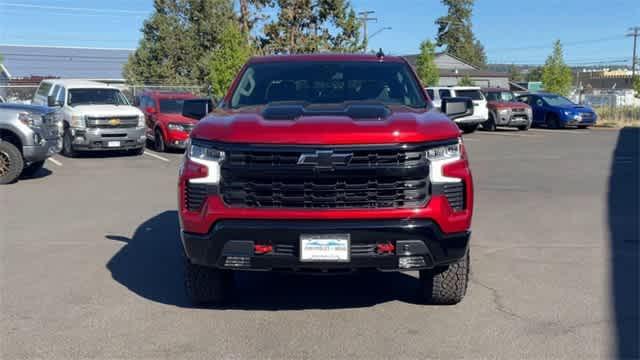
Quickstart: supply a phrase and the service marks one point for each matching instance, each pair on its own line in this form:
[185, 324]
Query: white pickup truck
[97, 116]
[470, 123]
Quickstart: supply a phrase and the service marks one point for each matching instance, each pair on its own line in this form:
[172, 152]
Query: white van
[96, 116]
[470, 123]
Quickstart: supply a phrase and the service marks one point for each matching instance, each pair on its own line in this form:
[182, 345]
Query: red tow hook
[262, 249]
[386, 248]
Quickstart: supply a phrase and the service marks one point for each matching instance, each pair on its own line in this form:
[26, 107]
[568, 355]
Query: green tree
[177, 40]
[454, 32]
[556, 75]
[465, 81]
[303, 26]
[425, 64]
[636, 86]
[515, 74]
[226, 60]
[250, 12]
[534, 74]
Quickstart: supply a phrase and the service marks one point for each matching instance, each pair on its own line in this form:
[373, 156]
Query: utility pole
[634, 32]
[364, 17]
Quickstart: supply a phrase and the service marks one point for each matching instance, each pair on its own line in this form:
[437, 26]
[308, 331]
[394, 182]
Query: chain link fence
[24, 93]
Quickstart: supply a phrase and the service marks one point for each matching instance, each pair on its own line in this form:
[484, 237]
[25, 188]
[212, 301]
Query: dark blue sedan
[557, 112]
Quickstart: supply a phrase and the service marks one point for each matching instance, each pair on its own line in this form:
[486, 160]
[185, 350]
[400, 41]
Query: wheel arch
[12, 137]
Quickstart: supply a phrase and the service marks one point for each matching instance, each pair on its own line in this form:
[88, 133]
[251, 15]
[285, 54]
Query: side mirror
[457, 107]
[196, 108]
[52, 101]
[151, 110]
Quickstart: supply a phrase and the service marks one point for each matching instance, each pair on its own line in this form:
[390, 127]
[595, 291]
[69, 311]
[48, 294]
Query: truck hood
[507, 105]
[107, 110]
[176, 118]
[399, 127]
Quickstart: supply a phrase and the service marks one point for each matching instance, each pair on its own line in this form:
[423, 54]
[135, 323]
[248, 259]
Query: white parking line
[149, 153]
[506, 133]
[567, 132]
[55, 161]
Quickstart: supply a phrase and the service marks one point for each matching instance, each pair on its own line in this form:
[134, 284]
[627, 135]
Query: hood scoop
[292, 111]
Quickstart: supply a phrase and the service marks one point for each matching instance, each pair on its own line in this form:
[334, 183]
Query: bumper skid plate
[418, 244]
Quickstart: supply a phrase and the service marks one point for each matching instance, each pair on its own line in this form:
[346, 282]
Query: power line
[634, 32]
[364, 18]
[49, 7]
[572, 43]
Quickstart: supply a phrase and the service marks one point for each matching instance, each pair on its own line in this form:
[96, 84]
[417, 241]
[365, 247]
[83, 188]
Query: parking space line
[505, 134]
[149, 153]
[53, 160]
[568, 132]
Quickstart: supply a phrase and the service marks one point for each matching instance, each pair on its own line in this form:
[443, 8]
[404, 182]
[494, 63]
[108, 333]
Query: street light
[379, 31]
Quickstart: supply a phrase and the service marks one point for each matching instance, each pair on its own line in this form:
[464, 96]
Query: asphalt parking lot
[91, 267]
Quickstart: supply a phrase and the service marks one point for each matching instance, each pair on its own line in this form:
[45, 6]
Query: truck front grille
[340, 177]
[112, 122]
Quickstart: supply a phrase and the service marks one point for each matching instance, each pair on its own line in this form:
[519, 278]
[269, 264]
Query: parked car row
[495, 107]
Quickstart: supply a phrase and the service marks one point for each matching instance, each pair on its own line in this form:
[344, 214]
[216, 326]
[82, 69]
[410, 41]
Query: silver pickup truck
[28, 136]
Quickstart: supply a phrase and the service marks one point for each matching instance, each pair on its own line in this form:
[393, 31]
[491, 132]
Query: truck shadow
[44, 172]
[624, 236]
[150, 265]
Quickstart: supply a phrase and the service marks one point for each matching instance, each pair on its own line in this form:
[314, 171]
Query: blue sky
[521, 32]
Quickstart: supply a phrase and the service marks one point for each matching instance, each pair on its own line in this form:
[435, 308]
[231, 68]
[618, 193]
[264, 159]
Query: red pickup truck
[328, 164]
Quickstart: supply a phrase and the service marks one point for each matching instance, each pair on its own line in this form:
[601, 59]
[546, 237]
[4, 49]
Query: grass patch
[618, 117]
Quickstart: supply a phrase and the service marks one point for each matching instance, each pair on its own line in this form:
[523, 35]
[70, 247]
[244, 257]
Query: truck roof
[328, 57]
[79, 83]
[168, 94]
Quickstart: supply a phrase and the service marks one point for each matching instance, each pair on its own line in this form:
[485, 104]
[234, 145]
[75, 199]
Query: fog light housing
[409, 262]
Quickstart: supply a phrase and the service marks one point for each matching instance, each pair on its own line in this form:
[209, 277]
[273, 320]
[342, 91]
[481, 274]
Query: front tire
[11, 162]
[446, 286]
[524, 127]
[33, 168]
[67, 145]
[490, 124]
[158, 141]
[553, 122]
[468, 129]
[205, 285]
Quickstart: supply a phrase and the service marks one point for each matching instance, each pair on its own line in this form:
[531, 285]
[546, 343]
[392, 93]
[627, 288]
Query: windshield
[557, 100]
[328, 82]
[96, 97]
[171, 106]
[473, 94]
[502, 96]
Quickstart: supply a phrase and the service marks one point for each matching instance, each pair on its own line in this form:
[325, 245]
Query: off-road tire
[33, 168]
[468, 129]
[67, 145]
[205, 285]
[11, 162]
[490, 124]
[158, 142]
[446, 286]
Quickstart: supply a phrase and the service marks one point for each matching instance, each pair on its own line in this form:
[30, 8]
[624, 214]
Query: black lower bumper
[230, 244]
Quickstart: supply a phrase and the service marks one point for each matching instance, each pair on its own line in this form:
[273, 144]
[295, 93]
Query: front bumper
[96, 139]
[470, 120]
[420, 239]
[177, 139]
[41, 151]
[512, 119]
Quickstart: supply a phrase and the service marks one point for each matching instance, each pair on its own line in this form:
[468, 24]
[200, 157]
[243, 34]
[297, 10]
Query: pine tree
[454, 32]
[227, 59]
[556, 75]
[176, 41]
[303, 26]
[426, 66]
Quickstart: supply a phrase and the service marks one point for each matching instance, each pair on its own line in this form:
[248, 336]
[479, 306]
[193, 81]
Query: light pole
[379, 31]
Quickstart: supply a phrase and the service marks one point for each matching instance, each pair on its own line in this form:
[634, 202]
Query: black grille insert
[455, 193]
[196, 194]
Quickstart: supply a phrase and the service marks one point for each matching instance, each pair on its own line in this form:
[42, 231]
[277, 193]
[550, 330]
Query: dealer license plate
[324, 248]
[113, 144]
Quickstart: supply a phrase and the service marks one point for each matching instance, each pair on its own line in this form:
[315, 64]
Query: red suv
[327, 164]
[166, 126]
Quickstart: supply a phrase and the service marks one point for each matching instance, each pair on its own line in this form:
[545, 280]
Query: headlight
[176, 127]
[567, 113]
[444, 152]
[77, 121]
[140, 121]
[30, 119]
[441, 156]
[208, 157]
[503, 111]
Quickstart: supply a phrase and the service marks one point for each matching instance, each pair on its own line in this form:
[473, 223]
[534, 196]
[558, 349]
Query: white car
[470, 123]
[96, 116]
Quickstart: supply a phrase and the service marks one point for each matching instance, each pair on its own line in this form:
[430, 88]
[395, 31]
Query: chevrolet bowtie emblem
[114, 122]
[325, 159]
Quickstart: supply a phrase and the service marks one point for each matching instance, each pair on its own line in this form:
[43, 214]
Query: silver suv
[28, 136]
